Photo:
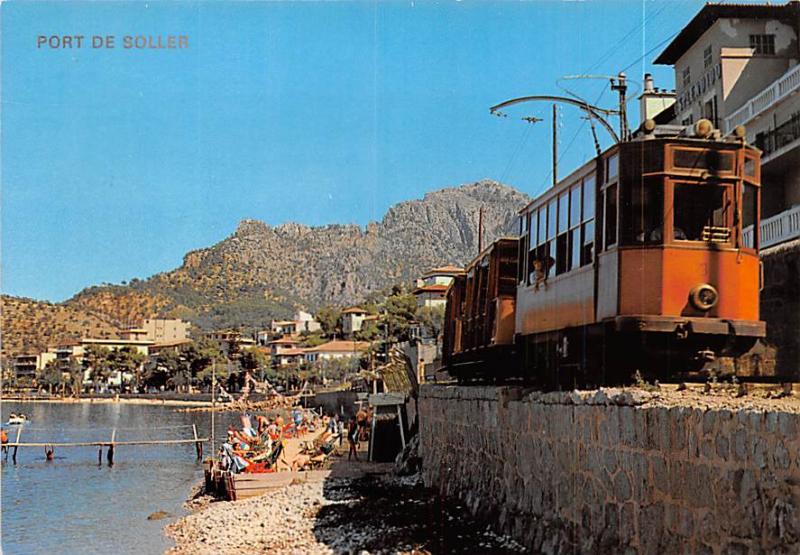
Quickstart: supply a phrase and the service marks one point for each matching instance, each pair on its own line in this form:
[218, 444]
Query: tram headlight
[704, 296]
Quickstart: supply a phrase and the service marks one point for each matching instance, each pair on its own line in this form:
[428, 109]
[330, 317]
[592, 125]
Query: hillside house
[335, 349]
[431, 288]
[302, 322]
[285, 352]
[353, 320]
[230, 340]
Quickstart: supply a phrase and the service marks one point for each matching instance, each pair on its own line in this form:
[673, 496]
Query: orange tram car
[636, 261]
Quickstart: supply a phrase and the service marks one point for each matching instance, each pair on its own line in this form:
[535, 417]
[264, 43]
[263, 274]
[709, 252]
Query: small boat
[14, 419]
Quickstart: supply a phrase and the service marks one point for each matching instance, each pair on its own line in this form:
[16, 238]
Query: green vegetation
[330, 319]
[432, 318]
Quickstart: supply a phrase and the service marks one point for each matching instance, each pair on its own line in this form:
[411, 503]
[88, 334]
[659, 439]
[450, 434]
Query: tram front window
[702, 213]
[643, 213]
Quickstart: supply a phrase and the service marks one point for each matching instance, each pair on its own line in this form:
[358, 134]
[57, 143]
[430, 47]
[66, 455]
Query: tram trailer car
[636, 261]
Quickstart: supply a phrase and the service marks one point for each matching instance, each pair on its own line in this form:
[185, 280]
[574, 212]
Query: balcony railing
[775, 139]
[777, 229]
[785, 85]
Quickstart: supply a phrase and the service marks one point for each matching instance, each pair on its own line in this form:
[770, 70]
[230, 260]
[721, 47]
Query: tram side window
[587, 250]
[612, 168]
[531, 246]
[587, 227]
[610, 216]
[506, 278]
[575, 227]
[749, 211]
[524, 240]
[701, 213]
[562, 251]
[538, 252]
[643, 214]
[749, 205]
[552, 212]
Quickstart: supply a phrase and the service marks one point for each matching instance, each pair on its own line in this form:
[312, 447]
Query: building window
[763, 44]
[686, 77]
[708, 58]
[710, 111]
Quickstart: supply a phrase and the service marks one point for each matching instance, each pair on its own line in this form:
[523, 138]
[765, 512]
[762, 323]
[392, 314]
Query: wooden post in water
[110, 454]
[14, 456]
[198, 445]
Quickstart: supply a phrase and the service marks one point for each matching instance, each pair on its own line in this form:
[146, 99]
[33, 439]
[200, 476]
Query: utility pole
[555, 144]
[620, 85]
[480, 230]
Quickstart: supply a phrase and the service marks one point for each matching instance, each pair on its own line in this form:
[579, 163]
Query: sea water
[75, 505]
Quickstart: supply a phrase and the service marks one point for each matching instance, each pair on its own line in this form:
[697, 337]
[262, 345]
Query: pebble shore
[355, 514]
[281, 521]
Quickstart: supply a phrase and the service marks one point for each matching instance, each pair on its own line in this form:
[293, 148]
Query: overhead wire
[516, 151]
[607, 55]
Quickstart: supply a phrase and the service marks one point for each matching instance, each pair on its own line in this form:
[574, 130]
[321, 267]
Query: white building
[335, 349]
[302, 322]
[285, 352]
[737, 64]
[29, 364]
[431, 290]
[353, 319]
[163, 330]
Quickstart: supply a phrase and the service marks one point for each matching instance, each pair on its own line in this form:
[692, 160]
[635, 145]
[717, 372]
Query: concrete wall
[615, 472]
[335, 402]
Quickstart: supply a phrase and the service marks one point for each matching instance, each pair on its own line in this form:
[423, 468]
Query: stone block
[659, 473]
[677, 428]
[651, 527]
[610, 460]
[722, 447]
[623, 490]
[759, 452]
[771, 422]
[709, 422]
[627, 523]
[627, 432]
[685, 522]
[788, 424]
[780, 456]
[699, 486]
[739, 438]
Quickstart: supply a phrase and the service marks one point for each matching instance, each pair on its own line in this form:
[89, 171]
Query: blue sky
[116, 162]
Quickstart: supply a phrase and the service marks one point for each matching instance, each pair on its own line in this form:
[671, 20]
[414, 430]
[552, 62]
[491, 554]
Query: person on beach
[4, 439]
[341, 432]
[352, 438]
[361, 419]
[332, 424]
[49, 452]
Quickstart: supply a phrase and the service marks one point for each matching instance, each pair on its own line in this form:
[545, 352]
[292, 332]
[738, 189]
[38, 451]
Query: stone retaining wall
[616, 471]
[780, 308]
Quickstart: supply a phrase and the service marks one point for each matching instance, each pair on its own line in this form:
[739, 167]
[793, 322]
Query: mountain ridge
[260, 272]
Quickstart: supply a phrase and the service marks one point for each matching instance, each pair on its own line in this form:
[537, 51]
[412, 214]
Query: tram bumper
[683, 326]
